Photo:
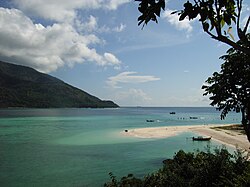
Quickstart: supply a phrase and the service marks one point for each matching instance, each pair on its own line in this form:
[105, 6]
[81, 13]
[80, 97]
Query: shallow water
[79, 147]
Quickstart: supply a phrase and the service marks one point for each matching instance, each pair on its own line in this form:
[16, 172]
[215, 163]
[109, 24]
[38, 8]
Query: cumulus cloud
[173, 19]
[64, 10]
[129, 77]
[111, 59]
[113, 4]
[91, 25]
[65, 41]
[50, 9]
[46, 48]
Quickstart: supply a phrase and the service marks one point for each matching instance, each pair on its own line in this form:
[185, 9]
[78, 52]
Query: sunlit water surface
[79, 147]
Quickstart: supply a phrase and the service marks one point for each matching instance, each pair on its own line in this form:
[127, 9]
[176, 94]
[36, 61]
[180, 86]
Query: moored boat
[193, 117]
[201, 138]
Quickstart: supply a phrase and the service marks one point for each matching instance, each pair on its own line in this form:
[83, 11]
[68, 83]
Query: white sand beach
[228, 137]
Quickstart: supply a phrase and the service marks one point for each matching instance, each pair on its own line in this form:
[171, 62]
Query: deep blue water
[79, 147]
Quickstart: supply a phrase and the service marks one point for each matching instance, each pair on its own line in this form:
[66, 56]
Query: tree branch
[212, 35]
[246, 26]
[218, 26]
[229, 42]
[236, 46]
[239, 7]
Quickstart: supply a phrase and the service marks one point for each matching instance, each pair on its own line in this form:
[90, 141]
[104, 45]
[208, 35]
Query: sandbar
[227, 137]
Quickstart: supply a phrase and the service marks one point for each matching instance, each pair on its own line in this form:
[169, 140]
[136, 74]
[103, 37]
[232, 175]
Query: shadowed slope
[22, 86]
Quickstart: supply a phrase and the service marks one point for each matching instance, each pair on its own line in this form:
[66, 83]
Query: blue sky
[96, 45]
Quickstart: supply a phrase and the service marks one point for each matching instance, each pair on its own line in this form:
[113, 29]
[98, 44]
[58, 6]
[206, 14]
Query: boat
[193, 117]
[150, 120]
[201, 138]
[171, 112]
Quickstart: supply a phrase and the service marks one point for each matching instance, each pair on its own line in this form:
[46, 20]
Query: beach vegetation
[215, 16]
[201, 168]
[236, 128]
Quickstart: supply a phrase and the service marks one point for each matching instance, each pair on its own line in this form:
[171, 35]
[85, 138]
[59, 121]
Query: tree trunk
[246, 121]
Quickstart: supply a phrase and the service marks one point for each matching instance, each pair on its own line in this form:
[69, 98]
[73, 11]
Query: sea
[80, 147]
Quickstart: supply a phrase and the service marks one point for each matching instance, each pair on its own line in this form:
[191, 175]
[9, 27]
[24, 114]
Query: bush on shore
[218, 168]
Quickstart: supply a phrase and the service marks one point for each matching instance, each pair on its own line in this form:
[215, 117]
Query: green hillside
[22, 86]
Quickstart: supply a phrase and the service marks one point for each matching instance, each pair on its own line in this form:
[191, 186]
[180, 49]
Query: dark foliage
[230, 88]
[194, 170]
[150, 10]
[21, 86]
[215, 16]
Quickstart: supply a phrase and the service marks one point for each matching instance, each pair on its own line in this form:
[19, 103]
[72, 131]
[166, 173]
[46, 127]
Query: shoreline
[226, 137]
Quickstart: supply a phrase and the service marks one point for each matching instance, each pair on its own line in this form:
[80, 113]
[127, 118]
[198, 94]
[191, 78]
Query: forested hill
[22, 86]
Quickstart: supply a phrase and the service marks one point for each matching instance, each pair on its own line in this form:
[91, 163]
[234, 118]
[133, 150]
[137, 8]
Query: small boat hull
[201, 138]
[193, 117]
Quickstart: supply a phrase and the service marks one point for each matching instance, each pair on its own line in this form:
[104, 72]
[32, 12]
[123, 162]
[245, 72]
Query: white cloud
[92, 26]
[173, 19]
[89, 26]
[64, 10]
[113, 4]
[46, 48]
[51, 9]
[129, 77]
[132, 97]
[189, 97]
[106, 29]
[120, 28]
[111, 59]
[65, 41]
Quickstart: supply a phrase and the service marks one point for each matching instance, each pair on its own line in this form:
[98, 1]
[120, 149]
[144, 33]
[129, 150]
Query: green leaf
[140, 9]
[162, 3]
[182, 17]
[222, 23]
[140, 18]
[229, 31]
[158, 11]
[188, 6]
[140, 22]
[203, 15]
[174, 12]
[227, 19]
[212, 27]
[205, 26]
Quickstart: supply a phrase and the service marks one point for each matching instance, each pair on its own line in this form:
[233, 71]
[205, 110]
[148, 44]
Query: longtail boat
[202, 138]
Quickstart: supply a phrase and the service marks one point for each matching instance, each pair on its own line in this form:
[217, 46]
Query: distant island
[21, 86]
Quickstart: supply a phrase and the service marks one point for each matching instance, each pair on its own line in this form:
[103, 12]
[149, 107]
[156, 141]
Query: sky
[97, 46]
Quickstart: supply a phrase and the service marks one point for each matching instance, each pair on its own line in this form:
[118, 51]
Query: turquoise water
[79, 147]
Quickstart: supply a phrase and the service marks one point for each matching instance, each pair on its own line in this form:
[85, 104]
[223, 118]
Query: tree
[230, 88]
[194, 169]
[214, 16]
